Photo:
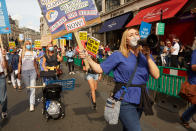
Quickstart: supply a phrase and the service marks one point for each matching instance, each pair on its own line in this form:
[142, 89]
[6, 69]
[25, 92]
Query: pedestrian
[122, 63]
[92, 78]
[29, 71]
[40, 59]
[3, 88]
[162, 54]
[186, 116]
[51, 59]
[13, 61]
[70, 55]
[174, 53]
[167, 52]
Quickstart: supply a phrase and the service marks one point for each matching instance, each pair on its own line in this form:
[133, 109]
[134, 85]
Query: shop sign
[145, 29]
[83, 35]
[12, 44]
[92, 46]
[160, 28]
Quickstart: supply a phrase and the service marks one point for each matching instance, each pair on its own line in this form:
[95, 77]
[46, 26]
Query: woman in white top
[28, 68]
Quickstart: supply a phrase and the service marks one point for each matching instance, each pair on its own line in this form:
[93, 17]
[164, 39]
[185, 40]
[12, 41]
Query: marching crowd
[131, 65]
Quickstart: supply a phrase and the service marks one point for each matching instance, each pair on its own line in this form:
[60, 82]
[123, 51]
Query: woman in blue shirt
[122, 63]
[186, 116]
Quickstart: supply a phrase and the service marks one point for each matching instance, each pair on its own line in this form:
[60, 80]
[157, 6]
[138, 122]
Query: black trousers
[71, 65]
[174, 61]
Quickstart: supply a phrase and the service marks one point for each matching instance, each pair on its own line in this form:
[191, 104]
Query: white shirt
[28, 60]
[176, 48]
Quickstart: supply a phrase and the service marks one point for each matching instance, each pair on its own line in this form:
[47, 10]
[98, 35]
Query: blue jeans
[186, 116]
[130, 117]
[29, 77]
[3, 93]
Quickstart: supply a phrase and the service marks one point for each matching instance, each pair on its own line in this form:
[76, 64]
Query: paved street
[79, 115]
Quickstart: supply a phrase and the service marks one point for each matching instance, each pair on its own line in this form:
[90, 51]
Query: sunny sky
[27, 12]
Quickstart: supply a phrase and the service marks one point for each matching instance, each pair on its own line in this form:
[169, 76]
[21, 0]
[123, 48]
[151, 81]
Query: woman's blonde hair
[123, 46]
[24, 48]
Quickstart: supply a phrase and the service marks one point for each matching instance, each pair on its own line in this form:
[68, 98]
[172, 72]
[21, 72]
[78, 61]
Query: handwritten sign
[64, 16]
[12, 44]
[4, 19]
[63, 42]
[145, 29]
[83, 35]
[92, 45]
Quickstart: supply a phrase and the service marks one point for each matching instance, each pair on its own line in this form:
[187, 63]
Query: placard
[64, 16]
[145, 29]
[83, 35]
[37, 44]
[63, 42]
[12, 44]
[160, 28]
[92, 45]
[4, 19]
[55, 41]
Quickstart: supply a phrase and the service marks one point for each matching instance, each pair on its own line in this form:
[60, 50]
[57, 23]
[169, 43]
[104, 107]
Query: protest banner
[145, 29]
[45, 40]
[21, 37]
[12, 44]
[66, 16]
[37, 44]
[83, 35]
[92, 46]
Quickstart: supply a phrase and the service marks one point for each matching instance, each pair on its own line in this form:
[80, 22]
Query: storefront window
[99, 5]
[112, 4]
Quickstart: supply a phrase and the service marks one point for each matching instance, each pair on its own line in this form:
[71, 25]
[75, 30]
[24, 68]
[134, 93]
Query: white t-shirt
[176, 47]
[28, 60]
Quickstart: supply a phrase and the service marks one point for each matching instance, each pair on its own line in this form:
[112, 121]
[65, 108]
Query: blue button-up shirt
[70, 55]
[192, 74]
[123, 68]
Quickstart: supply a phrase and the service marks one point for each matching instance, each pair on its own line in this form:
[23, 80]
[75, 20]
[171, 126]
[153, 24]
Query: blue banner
[68, 15]
[145, 29]
[4, 19]
[67, 36]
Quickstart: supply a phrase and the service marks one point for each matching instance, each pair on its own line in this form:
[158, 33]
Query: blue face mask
[51, 48]
[28, 47]
[11, 50]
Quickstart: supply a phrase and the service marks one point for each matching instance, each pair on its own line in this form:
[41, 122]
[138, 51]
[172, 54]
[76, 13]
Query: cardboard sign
[92, 45]
[4, 19]
[45, 40]
[21, 37]
[83, 35]
[145, 29]
[64, 16]
[37, 44]
[160, 28]
[12, 44]
[63, 42]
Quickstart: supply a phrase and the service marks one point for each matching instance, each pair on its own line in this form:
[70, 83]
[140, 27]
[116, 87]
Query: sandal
[185, 124]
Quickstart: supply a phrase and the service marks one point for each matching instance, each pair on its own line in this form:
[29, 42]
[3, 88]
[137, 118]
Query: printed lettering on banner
[83, 35]
[65, 16]
[37, 44]
[12, 44]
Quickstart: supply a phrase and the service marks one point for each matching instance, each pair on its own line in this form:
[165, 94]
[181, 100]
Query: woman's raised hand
[83, 54]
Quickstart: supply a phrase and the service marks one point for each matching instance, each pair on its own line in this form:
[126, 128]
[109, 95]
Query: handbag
[188, 92]
[112, 106]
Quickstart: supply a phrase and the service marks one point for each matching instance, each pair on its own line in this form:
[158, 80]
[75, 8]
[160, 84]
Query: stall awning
[169, 9]
[115, 23]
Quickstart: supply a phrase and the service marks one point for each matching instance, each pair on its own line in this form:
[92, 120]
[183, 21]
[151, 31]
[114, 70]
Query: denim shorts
[92, 76]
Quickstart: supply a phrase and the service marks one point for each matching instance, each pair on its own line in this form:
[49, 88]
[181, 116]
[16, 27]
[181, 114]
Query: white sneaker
[31, 108]
[73, 73]
[70, 73]
[4, 115]
[9, 82]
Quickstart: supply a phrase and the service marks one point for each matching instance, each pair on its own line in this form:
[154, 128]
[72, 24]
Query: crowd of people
[23, 66]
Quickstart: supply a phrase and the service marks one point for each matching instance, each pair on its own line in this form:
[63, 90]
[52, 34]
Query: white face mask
[133, 41]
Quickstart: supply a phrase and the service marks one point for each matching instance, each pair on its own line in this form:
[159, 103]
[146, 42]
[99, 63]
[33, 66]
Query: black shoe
[94, 106]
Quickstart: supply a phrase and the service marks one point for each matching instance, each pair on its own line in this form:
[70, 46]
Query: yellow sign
[63, 42]
[93, 45]
[12, 44]
[55, 41]
[83, 35]
[37, 44]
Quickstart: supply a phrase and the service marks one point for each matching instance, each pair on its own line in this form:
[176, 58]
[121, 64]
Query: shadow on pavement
[18, 108]
[113, 127]
[4, 122]
[84, 111]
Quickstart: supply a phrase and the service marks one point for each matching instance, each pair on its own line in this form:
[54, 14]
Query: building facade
[44, 29]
